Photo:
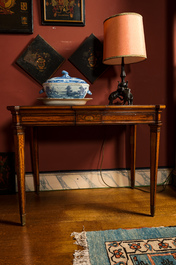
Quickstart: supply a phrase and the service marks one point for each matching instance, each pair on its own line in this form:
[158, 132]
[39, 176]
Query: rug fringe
[81, 256]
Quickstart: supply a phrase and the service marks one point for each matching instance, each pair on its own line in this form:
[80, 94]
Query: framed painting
[63, 12]
[88, 58]
[7, 173]
[40, 60]
[16, 16]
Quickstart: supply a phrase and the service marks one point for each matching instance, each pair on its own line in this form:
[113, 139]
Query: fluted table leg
[154, 156]
[35, 158]
[19, 140]
[133, 129]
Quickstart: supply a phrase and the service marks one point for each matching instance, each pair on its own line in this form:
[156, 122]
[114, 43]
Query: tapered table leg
[19, 141]
[35, 158]
[133, 129]
[154, 156]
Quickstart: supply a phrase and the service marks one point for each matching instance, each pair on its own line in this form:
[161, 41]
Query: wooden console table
[34, 116]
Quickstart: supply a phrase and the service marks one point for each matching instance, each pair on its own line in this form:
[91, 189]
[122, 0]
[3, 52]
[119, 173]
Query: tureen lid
[65, 78]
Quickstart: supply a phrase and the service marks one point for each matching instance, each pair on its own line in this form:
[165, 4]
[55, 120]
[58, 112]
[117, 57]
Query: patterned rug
[142, 246]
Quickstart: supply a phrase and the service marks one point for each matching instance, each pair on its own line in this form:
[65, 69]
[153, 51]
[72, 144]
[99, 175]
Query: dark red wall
[151, 82]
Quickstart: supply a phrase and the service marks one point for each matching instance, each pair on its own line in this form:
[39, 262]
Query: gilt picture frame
[16, 16]
[63, 12]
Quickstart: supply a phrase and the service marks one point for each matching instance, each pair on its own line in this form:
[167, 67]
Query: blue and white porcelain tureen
[66, 87]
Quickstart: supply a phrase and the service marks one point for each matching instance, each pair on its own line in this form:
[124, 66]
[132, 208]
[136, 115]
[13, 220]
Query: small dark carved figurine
[123, 93]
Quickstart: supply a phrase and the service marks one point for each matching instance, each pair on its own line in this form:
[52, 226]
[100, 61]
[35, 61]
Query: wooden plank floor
[53, 216]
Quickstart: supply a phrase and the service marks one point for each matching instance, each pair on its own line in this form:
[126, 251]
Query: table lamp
[124, 43]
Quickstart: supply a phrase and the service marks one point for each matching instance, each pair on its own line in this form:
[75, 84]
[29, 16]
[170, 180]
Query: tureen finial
[65, 74]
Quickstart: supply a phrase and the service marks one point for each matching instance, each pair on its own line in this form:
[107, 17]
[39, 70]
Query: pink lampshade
[124, 37]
